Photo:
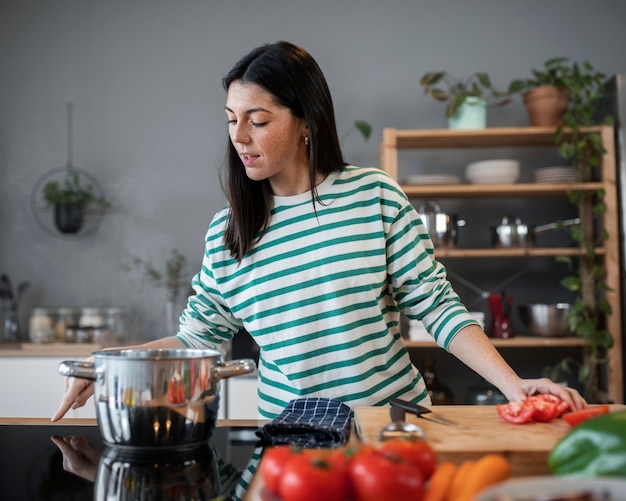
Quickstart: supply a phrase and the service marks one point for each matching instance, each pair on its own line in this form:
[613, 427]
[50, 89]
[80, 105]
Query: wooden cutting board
[526, 446]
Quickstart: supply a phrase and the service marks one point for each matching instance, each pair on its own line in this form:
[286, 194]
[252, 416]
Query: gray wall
[145, 80]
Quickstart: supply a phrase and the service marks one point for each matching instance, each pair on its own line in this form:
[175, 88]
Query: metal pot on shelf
[511, 232]
[442, 227]
[165, 398]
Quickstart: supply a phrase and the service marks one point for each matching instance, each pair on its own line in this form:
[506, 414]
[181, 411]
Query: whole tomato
[273, 463]
[417, 452]
[377, 477]
[311, 477]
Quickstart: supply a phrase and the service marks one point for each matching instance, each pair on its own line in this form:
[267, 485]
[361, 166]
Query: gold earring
[306, 140]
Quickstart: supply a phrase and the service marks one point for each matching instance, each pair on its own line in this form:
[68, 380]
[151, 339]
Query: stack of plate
[499, 171]
[431, 179]
[555, 175]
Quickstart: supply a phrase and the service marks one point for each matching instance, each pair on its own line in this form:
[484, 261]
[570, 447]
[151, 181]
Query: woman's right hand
[77, 392]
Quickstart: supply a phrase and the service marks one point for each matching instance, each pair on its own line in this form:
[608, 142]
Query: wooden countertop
[70, 350]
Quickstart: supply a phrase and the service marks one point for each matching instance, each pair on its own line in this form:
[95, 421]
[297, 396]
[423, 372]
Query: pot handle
[554, 226]
[234, 368]
[73, 368]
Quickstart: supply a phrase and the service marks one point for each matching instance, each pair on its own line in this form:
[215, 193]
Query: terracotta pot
[546, 104]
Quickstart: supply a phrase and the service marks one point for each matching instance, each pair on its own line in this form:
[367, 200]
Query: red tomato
[273, 463]
[311, 477]
[577, 417]
[561, 405]
[376, 477]
[544, 409]
[515, 412]
[417, 452]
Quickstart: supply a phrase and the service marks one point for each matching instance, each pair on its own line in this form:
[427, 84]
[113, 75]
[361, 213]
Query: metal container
[547, 320]
[511, 232]
[188, 474]
[147, 398]
[442, 227]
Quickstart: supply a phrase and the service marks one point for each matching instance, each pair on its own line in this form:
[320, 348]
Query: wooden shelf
[395, 140]
[525, 190]
[484, 138]
[511, 252]
[516, 342]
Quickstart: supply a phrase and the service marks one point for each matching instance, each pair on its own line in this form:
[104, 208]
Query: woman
[316, 259]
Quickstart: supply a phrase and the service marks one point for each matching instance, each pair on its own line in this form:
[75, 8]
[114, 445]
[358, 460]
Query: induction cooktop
[33, 466]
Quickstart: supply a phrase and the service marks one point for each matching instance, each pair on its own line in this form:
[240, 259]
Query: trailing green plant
[456, 91]
[71, 192]
[583, 149]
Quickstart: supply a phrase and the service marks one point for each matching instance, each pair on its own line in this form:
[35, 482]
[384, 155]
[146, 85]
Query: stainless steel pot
[162, 398]
[512, 233]
[442, 227]
[188, 474]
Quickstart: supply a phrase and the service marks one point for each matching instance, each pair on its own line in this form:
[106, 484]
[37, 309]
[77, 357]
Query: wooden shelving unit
[521, 137]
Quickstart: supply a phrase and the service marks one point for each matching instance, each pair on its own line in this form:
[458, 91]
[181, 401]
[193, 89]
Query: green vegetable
[595, 448]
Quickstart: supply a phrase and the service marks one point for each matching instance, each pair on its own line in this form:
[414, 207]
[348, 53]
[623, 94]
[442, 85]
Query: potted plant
[70, 199]
[466, 98]
[548, 93]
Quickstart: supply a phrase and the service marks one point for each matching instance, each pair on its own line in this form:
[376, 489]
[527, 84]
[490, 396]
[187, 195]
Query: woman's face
[268, 138]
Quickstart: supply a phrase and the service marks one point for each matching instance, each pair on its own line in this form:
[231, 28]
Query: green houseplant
[70, 199]
[583, 149]
[477, 88]
[547, 94]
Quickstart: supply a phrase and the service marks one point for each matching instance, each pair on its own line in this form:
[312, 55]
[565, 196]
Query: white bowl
[494, 166]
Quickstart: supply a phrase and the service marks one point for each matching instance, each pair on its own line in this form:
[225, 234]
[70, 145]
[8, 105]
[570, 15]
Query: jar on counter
[41, 326]
[114, 320]
[90, 323]
[66, 319]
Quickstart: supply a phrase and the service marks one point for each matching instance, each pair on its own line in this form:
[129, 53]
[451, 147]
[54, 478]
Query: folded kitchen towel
[309, 423]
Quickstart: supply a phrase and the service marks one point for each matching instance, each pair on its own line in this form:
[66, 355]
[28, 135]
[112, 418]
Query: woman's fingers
[77, 392]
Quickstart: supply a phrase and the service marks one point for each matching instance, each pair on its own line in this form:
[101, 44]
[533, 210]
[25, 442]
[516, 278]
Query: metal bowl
[547, 320]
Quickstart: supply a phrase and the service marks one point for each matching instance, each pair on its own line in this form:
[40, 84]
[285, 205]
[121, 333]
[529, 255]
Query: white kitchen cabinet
[32, 387]
[242, 399]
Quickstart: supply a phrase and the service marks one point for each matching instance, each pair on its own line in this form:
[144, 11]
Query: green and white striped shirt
[321, 294]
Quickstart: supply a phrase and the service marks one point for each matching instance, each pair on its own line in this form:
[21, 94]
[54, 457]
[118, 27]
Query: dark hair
[296, 81]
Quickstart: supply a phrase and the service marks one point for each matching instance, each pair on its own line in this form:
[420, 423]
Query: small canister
[41, 326]
[66, 319]
[90, 322]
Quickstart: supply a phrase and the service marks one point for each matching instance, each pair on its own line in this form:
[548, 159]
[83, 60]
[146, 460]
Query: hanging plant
[584, 150]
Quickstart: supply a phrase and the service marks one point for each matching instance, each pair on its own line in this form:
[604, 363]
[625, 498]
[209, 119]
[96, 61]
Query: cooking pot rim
[152, 354]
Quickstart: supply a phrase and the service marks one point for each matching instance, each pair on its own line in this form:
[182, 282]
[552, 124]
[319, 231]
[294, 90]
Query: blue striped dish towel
[309, 423]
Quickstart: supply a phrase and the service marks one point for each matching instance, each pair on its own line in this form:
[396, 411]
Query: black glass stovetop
[33, 466]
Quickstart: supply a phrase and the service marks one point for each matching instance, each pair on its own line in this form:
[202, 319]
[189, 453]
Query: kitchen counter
[481, 431]
[80, 350]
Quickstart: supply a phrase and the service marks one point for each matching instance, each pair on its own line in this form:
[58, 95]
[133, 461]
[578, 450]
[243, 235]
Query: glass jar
[90, 323]
[66, 319]
[115, 323]
[41, 326]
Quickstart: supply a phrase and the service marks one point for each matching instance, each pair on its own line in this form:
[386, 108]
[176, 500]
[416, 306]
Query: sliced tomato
[577, 417]
[544, 409]
[515, 412]
[562, 405]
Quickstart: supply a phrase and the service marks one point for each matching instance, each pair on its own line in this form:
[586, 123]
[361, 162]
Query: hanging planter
[71, 194]
[69, 218]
